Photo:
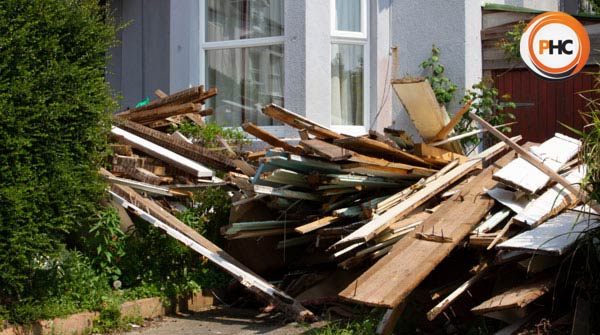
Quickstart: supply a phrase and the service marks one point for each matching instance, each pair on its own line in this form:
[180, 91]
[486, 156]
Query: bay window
[349, 59]
[242, 56]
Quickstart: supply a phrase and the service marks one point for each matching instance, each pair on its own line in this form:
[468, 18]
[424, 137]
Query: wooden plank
[166, 155]
[422, 107]
[157, 216]
[442, 134]
[492, 222]
[179, 146]
[287, 193]
[193, 94]
[144, 175]
[556, 235]
[388, 321]
[327, 150]
[379, 223]
[160, 113]
[582, 318]
[300, 122]
[317, 224]
[551, 202]
[367, 146]
[374, 134]
[437, 156]
[400, 196]
[363, 159]
[554, 153]
[468, 134]
[396, 275]
[385, 171]
[517, 297]
[265, 136]
[446, 302]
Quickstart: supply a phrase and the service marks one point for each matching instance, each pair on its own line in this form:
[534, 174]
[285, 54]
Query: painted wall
[454, 27]
[381, 65]
[184, 48]
[549, 5]
[139, 65]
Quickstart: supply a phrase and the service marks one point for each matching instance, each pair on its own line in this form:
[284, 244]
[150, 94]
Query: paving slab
[227, 321]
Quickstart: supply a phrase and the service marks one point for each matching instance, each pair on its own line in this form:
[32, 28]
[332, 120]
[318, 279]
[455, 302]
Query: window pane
[238, 19]
[347, 13]
[347, 84]
[247, 80]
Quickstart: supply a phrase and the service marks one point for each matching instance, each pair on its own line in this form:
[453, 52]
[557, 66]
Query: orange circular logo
[555, 46]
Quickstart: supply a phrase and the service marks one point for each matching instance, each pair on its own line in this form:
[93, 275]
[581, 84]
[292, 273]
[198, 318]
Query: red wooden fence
[543, 105]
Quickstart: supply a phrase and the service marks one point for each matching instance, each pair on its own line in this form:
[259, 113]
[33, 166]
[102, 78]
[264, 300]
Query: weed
[106, 243]
[511, 43]
[208, 135]
[443, 87]
[488, 105]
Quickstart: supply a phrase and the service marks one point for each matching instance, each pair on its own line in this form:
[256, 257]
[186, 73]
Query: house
[329, 60]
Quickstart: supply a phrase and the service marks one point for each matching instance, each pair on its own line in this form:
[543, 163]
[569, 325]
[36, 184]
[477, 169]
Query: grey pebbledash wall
[454, 27]
[141, 65]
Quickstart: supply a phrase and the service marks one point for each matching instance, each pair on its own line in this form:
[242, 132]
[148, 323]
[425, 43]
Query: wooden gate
[543, 105]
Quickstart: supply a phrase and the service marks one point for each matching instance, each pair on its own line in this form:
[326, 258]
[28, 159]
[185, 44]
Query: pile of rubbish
[375, 220]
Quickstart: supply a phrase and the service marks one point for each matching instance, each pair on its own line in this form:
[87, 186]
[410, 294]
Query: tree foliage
[54, 118]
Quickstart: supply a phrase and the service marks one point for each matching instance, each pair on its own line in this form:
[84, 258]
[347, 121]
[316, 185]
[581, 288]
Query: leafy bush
[54, 106]
[61, 285]
[488, 105]
[159, 262]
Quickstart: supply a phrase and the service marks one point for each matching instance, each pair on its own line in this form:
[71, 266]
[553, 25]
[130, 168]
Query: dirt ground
[228, 321]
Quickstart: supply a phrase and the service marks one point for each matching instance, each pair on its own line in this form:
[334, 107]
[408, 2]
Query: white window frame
[279, 131]
[355, 38]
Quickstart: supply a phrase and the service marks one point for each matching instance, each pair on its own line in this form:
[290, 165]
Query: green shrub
[54, 118]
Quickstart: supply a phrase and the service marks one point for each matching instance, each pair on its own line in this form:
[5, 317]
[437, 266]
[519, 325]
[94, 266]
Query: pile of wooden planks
[373, 220]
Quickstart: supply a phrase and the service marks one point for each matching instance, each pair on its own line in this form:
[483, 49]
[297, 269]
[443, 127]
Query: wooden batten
[265, 136]
[159, 113]
[367, 146]
[300, 122]
[326, 150]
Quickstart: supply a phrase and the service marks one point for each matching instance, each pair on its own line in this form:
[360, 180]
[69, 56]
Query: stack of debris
[369, 219]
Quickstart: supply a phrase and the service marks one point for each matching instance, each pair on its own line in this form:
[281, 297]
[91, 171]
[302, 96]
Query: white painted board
[556, 235]
[549, 201]
[554, 153]
[161, 153]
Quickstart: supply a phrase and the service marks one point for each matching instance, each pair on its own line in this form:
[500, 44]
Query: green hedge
[54, 118]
